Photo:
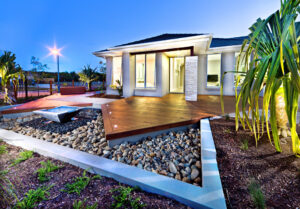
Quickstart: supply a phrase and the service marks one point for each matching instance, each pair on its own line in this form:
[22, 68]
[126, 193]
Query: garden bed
[23, 177]
[173, 154]
[278, 175]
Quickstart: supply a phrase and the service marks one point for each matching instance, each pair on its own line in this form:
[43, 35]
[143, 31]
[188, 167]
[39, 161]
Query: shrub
[257, 195]
[34, 196]
[22, 157]
[244, 145]
[7, 190]
[80, 183]
[46, 168]
[124, 198]
[82, 205]
[3, 149]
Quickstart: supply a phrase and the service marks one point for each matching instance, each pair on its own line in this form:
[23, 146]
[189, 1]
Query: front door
[177, 75]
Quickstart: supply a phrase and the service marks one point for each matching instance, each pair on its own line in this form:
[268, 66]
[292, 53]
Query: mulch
[278, 174]
[23, 177]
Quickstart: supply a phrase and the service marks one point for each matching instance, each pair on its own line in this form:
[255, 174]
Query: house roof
[216, 42]
[221, 42]
[162, 37]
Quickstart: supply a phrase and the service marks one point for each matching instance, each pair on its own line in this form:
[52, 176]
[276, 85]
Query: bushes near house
[78, 204]
[257, 195]
[123, 198]
[32, 197]
[47, 167]
[3, 149]
[22, 157]
[80, 183]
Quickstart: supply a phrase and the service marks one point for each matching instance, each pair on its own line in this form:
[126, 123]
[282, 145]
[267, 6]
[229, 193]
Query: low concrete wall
[210, 195]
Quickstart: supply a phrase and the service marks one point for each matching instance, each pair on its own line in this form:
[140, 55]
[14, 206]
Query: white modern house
[190, 64]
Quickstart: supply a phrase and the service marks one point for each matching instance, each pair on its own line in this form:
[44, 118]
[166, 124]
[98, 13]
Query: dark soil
[98, 191]
[103, 95]
[80, 119]
[278, 174]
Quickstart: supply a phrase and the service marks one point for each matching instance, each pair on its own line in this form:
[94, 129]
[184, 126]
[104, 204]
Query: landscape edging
[208, 196]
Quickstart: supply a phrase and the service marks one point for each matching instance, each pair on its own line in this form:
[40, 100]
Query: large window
[145, 70]
[116, 70]
[213, 70]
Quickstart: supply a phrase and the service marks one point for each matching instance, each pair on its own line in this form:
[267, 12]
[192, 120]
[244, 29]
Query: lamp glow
[56, 52]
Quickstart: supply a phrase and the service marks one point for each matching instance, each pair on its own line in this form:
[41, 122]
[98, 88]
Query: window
[241, 67]
[145, 71]
[213, 69]
[116, 70]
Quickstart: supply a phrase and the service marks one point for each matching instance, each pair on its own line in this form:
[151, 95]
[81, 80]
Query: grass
[47, 167]
[124, 199]
[244, 145]
[22, 157]
[79, 184]
[33, 196]
[78, 204]
[7, 189]
[3, 149]
[257, 195]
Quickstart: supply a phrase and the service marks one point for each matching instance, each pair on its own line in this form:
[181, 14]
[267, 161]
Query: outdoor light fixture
[56, 52]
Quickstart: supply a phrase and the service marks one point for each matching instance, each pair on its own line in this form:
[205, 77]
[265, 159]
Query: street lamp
[56, 52]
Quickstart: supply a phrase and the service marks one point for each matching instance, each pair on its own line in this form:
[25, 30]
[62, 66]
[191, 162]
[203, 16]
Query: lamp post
[58, 84]
[56, 52]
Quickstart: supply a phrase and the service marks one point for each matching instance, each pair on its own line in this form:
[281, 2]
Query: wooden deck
[139, 115]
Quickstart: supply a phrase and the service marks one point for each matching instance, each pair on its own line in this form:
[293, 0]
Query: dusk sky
[27, 27]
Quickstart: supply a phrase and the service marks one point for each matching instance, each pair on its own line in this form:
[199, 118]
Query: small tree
[88, 75]
[10, 71]
[274, 44]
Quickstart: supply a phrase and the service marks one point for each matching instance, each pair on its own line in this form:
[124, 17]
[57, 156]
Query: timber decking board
[139, 115]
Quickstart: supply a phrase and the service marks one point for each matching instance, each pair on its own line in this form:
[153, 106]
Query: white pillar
[191, 78]
[228, 64]
[128, 75]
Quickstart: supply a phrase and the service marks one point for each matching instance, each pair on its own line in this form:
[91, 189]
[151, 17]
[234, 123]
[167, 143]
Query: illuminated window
[213, 69]
[145, 70]
[117, 70]
[241, 67]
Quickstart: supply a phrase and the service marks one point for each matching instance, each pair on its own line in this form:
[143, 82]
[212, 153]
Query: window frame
[145, 76]
[214, 87]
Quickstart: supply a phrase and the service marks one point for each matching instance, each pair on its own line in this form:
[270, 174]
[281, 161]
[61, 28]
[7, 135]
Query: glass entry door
[177, 75]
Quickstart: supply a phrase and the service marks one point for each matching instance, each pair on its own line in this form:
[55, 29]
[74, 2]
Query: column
[228, 64]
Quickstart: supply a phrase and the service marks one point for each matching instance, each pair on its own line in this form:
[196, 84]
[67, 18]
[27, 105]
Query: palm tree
[88, 75]
[274, 45]
[10, 71]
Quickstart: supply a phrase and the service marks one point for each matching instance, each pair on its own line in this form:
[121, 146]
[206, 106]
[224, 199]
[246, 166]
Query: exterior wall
[109, 67]
[227, 64]
[163, 78]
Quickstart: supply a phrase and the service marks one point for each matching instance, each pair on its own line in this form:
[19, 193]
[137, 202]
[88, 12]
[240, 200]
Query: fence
[44, 89]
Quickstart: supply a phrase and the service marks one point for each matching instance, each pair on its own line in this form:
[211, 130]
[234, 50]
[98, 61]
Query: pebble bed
[173, 154]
